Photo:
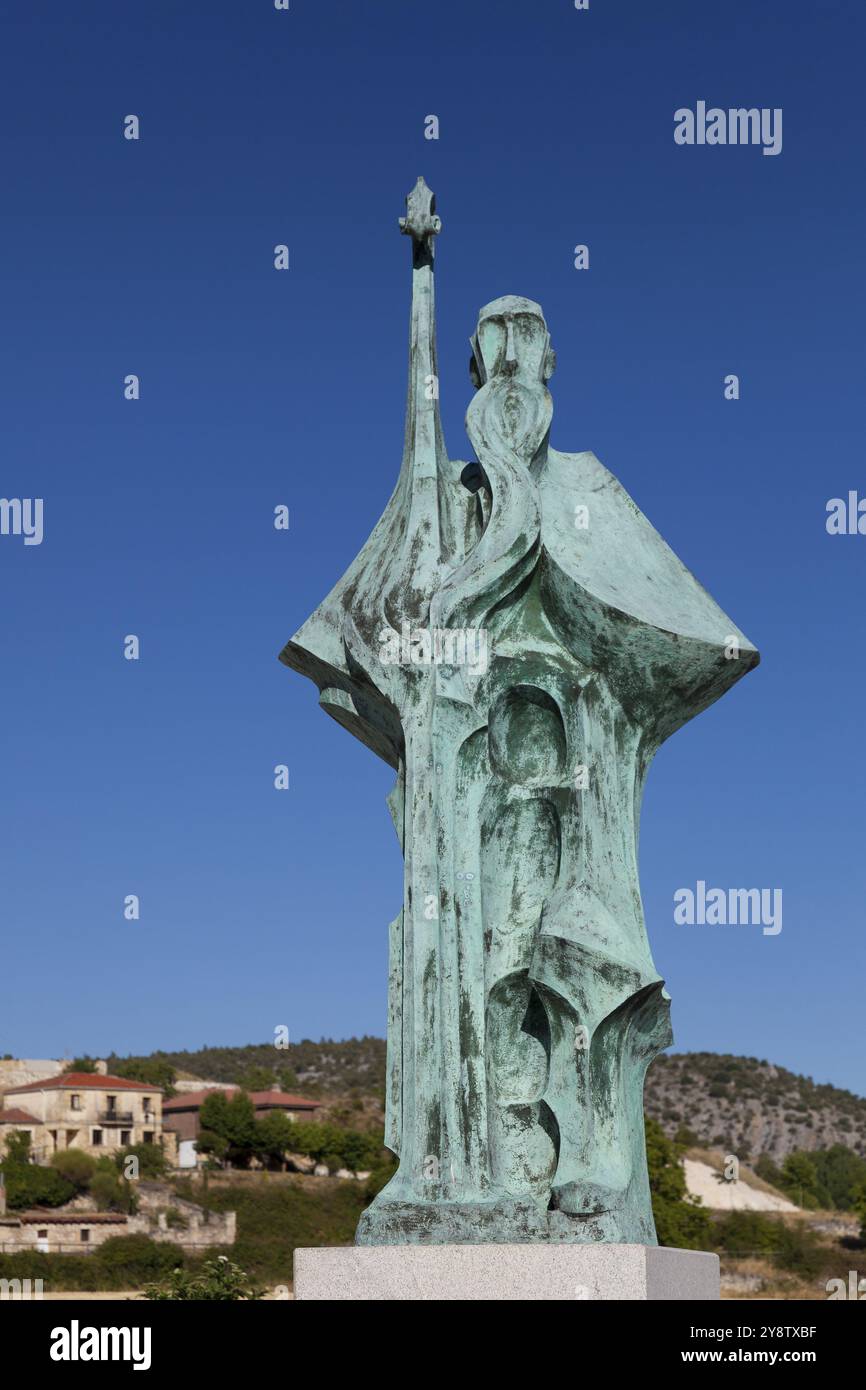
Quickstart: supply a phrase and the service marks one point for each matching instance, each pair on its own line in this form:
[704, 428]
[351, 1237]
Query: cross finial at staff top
[421, 222]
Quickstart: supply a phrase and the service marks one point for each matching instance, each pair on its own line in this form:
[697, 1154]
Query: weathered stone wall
[203, 1229]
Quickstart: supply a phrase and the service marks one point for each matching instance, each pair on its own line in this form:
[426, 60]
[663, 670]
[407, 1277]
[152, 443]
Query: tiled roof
[283, 1099]
[192, 1100]
[77, 1218]
[18, 1117]
[81, 1081]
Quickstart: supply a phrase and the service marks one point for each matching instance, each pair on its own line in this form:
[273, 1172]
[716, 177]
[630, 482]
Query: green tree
[257, 1078]
[210, 1143]
[275, 1134]
[233, 1119]
[86, 1064]
[152, 1071]
[320, 1141]
[858, 1206]
[800, 1180]
[841, 1173]
[361, 1152]
[680, 1220]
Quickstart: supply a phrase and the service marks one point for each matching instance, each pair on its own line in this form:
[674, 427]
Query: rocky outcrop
[750, 1107]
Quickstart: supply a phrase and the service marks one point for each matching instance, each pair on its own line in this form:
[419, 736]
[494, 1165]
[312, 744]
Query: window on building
[125, 1137]
[75, 1102]
[147, 1136]
[97, 1138]
[111, 1102]
[41, 1235]
[146, 1105]
[85, 1237]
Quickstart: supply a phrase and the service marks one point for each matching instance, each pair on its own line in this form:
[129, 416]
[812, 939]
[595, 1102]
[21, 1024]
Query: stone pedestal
[499, 1273]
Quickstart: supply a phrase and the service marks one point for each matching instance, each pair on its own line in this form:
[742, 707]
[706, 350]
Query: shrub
[76, 1166]
[798, 1251]
[110, 1191]
[746, 1233]
[218, 1280]
[152, 1163]
[17, 1148]
[768, 1171]
[29, 1186]
[338, 1148]
[131, 1259]
[56, 1271]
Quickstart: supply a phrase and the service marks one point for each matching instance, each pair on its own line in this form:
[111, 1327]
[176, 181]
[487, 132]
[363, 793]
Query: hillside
[751, 1107]
[321, 1069]
[739, 1104]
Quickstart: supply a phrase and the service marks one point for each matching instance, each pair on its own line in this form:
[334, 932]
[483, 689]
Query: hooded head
[511, 339]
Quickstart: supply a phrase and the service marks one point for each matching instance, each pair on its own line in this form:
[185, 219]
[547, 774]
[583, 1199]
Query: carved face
[511, 340]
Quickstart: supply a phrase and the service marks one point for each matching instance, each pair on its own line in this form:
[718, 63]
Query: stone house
[84, 1110]
[181, 1113]
[161, 1217]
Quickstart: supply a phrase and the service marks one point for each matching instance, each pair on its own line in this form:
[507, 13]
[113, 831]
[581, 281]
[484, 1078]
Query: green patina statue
[516, 640]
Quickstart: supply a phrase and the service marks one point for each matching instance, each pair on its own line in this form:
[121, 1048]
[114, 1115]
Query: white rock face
[702, 1182]
[20, 1071]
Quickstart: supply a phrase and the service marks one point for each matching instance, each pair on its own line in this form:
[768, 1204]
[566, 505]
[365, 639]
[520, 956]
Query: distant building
[181, 1113]
[59, 1233]
[162, 1215]
[83, 1110]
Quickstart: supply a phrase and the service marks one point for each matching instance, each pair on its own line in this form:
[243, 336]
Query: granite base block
[419, 1273]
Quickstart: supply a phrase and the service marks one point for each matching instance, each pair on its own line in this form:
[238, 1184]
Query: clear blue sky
[262, 908]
